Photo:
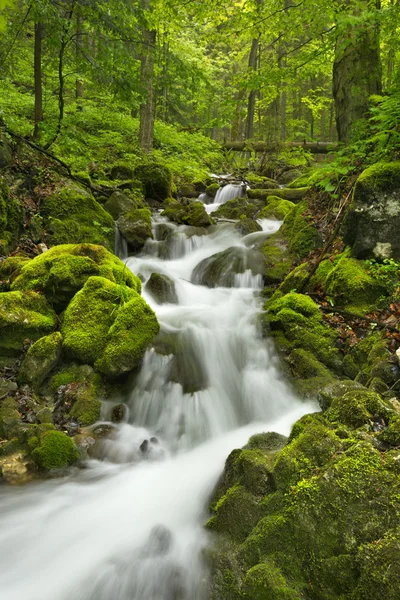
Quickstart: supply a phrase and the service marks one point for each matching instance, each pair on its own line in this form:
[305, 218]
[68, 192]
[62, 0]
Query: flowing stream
[130, 526]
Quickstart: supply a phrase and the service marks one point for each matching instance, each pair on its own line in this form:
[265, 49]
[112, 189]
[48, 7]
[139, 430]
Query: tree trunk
[251, 103]
[79, 87]
[147, 107]
[38, 112]
[357, 70]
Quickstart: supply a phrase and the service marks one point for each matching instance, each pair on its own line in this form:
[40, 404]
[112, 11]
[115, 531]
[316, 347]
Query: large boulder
[156, 180]
[63, 270]
[72, 215]
[23, 316]
[372, 224]
[187, 212]
[220, 269]
[108, 325]
[162, 288]
[135, 226]
[119, 204]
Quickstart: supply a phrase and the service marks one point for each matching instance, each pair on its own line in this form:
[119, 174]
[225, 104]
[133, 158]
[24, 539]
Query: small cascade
[229, 192]
[120, 244]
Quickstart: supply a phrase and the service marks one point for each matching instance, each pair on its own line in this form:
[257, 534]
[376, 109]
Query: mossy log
[313, 147]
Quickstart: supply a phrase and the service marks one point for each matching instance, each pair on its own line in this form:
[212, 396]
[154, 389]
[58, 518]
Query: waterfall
[130, 526]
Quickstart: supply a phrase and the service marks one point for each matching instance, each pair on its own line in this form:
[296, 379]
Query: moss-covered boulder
[246, 226]
[349, 284]
[221, 269]
[135, 226]
[322, 533]
[72, 215]
[237, 208]
[121, 171]
[118, 204]
[300, 232]
[23, 316]
[373, 220]
[162, 288]
[187, 213]
[294, 195]
[156, 180]
[308, 344]
[276, 208]
[40, 359]
[63, 270]
[55, 451]
[108, 325]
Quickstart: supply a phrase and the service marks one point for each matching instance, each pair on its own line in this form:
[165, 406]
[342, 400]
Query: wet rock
[135, 226]
[162, 288]
[119, 204]
[246, 226]
[187, 212]
[220, 269]
[7, 387]
[159, 542]
[118, 413]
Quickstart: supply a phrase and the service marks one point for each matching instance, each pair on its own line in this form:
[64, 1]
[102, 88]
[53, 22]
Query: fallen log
[285, 193]
[270, 147]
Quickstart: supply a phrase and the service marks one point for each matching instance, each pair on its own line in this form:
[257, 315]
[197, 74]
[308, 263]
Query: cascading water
[224, 194]
[130, 527]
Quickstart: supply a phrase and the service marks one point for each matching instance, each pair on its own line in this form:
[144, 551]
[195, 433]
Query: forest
[199, 299]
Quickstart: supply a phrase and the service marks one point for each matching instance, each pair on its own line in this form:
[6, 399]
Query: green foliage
[387, 274]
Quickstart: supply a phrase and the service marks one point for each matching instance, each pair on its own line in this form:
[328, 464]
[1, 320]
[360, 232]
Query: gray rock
[162, 288]
[220, 269]
[118, 204]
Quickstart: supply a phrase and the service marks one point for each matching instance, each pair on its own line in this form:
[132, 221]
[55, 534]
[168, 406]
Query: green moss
[162, 288]
[276, 208]
[351, 285]
[285, 193]
[89, 317]
[9, 418]
[391, 435]
[136, 227]
[295, 279]
[278, 260]
[236, 501]
[63, 270]
[40, 359]
[301, 234]
[357, 408]
[384, 177]
[134, 327]
[379, 565]
[156, 180]
[56, 450]
[73, 216]
[11, 267]
[212, 189]
[265, 581]
[237, 208]
[188, 213]
[23, 315]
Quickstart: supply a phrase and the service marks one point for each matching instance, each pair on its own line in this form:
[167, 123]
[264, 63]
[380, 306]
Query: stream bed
[131, 526]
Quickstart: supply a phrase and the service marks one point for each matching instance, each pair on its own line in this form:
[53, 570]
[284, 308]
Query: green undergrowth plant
[387, 274]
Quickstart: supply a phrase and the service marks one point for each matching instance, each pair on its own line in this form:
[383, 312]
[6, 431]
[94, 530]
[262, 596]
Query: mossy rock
[246, 226]
[237, 208]
[212, 189]
[156, 180]
[300, 233]
[119, 204]
[23, 315]
[55, 451]
[276, 208]
[373, 218]
[278, 259]
[351, 285]
[40, 360]
[10, 268]
[162, 288]
[82, 390]
[221, 269]
[72, 215]
[187, 213]
[121, 171]
[63, 270]
[294, 195]
[265, 581]
[95, 316]
[136, 228]
[109, 326]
